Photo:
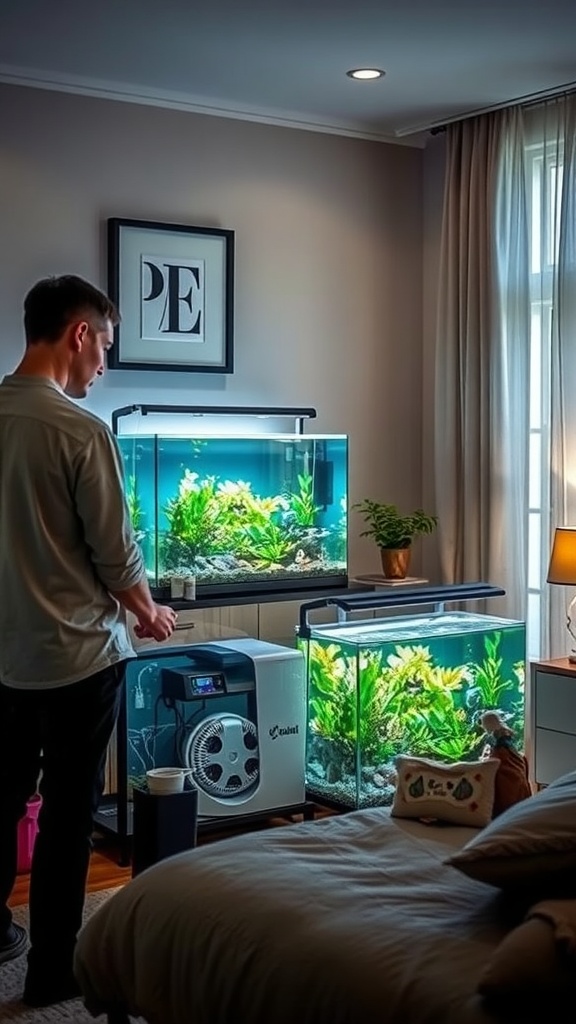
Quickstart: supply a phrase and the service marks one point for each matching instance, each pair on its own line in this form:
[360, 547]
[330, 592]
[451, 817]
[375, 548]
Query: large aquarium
[408, 684]
[239, 513]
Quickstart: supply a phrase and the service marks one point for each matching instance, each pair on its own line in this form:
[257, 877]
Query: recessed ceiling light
[365, 74]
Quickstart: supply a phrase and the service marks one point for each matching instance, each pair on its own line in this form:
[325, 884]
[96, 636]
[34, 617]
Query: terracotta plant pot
[395, 562]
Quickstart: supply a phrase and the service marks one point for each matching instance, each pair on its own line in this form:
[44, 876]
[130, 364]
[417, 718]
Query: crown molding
[126, 93]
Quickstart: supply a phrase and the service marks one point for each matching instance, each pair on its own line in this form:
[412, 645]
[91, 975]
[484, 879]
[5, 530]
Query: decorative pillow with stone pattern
[460, 793]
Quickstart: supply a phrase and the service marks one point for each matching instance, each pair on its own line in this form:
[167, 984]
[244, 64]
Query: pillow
[536, 960]
[529, 847]
[462, 793]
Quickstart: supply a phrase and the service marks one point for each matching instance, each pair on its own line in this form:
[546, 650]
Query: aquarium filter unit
[240, 510]
[248, 757]
[416, 684]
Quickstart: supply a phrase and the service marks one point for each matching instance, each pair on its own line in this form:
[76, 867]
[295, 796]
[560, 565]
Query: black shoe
[46, 990]
[14, 943]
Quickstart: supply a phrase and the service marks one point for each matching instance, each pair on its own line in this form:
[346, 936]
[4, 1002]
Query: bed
[353, 919]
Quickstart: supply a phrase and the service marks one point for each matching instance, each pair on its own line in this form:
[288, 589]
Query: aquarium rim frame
[436, 595]
[298, 414]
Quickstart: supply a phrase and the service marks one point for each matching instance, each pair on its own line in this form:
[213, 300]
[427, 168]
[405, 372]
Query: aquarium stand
[261, 412]
[437, 596]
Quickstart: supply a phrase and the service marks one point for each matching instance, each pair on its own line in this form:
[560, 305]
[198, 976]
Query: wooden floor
[106, 873]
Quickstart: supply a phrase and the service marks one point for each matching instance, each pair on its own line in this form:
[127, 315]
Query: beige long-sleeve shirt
[65, 539]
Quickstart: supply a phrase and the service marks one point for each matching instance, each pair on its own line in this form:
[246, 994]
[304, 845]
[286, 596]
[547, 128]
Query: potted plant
[394, 533]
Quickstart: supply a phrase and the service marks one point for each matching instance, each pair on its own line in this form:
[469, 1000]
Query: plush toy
[511, 783]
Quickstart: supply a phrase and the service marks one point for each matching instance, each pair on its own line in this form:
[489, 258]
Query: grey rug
[12, 974]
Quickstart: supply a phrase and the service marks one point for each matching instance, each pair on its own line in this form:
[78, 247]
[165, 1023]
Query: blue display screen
[208, 684]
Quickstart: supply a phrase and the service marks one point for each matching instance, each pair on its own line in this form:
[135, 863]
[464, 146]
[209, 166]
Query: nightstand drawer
[555, 754]
[555, 699]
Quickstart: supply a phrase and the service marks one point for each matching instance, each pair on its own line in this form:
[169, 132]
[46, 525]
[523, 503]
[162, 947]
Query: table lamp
[562, 569]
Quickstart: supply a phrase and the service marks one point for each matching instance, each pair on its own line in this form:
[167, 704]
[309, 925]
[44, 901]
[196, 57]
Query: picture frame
[173, 285]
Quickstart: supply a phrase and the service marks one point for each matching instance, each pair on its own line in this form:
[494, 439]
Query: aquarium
[239, 513]
[407, 684]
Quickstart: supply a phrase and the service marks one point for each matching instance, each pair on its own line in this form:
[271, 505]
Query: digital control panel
[204, 686]
[189, 684]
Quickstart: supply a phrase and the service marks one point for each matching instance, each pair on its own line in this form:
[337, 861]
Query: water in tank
[240, 513]
[414, 684]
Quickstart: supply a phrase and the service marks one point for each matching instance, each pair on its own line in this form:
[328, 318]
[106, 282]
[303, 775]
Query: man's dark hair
[54, 302]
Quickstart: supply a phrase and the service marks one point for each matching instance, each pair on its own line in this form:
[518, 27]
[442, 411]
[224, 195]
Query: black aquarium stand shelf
[263, 597]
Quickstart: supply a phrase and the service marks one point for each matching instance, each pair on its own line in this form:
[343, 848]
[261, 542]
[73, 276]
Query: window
[544, 175]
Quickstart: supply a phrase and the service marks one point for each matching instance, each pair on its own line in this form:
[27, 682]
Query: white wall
[328, 262]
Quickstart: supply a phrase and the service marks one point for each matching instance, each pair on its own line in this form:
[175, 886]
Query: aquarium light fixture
[562, 570]
[437, 596]
[261, 412]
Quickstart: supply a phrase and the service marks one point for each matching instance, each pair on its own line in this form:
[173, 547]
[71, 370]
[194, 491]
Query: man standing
[70, 568]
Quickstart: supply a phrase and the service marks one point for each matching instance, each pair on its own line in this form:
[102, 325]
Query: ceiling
[285, 61]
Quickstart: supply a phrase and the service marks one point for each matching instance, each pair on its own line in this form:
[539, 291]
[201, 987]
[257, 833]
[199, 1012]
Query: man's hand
[160, 626]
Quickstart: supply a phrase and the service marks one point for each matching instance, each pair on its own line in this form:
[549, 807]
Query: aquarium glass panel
[240, 513]
[411, 685]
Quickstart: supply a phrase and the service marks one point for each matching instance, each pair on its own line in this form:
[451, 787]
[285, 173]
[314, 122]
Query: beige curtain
[505, 382]
[481, 380]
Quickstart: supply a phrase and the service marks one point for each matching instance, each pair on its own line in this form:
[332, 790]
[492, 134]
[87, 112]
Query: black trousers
[65, 731]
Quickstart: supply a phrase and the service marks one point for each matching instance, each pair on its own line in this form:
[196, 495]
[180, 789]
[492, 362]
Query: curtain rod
[532, 98]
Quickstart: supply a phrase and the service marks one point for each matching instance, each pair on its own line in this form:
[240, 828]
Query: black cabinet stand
[163, 825]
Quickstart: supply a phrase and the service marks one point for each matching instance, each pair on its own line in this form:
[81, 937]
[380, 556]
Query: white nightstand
[552, 719]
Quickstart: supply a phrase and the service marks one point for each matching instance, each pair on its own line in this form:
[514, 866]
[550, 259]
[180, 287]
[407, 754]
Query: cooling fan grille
[222, 752]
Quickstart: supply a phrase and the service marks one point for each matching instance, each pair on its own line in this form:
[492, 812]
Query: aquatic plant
[422, 705]
[134, 503]
[487, 676]
[248, 525]
[193, 514]
[301, 504]
[207, 517]
[266, 543]
[240, 509]
[338, 708]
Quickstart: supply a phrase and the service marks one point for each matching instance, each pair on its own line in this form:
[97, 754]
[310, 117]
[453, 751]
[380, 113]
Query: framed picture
[174, 288]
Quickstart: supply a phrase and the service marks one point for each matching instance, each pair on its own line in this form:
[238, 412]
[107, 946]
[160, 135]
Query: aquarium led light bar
[435, 595]
[262, 412]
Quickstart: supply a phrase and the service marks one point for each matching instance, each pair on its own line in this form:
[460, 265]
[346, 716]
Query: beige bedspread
[348, 920]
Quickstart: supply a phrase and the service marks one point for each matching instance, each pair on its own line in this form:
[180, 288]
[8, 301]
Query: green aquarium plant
[424, 705]
[193, 515]
[342, 717]
[301, 504]
[134, 503]
[267, 544]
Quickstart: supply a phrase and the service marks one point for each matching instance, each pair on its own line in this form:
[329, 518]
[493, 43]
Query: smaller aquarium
[406, 684]
[239, 513]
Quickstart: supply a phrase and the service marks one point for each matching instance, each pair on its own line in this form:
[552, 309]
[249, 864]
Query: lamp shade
[562, 568]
